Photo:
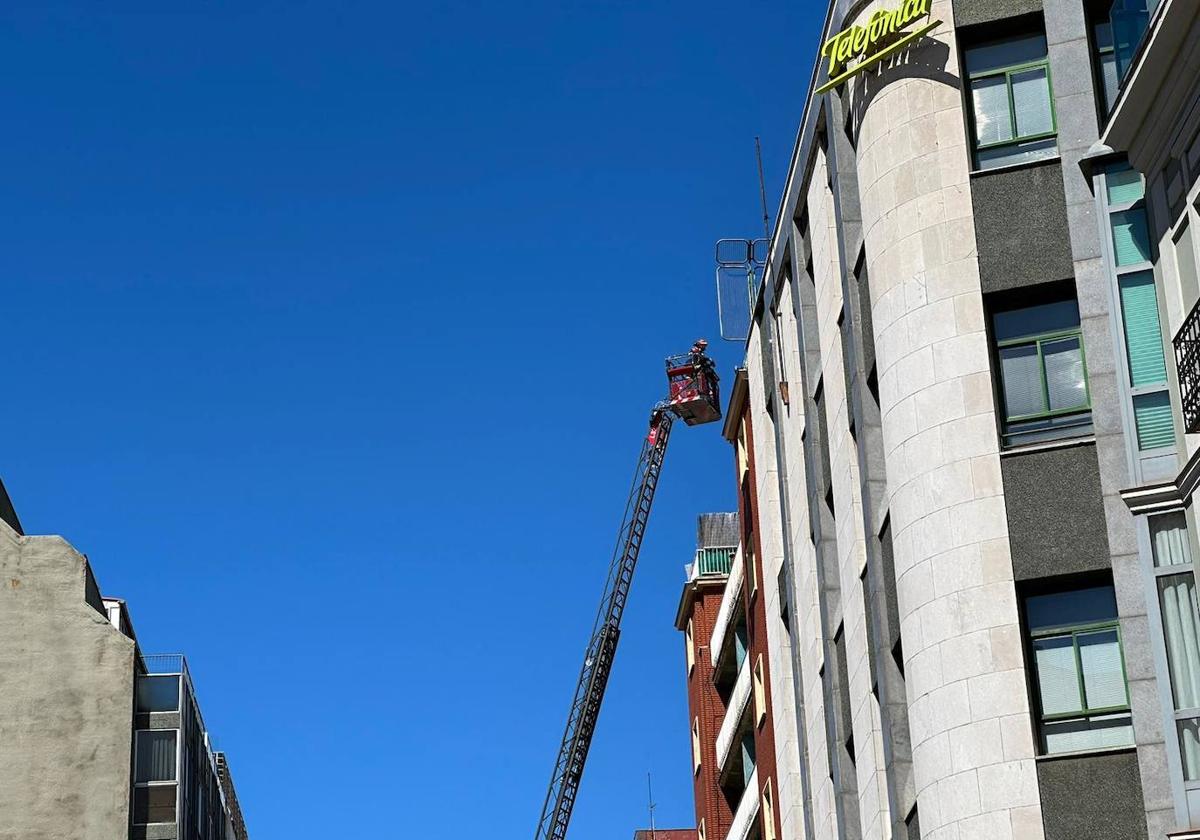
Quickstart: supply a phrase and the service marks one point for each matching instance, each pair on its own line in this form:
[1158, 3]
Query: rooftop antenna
[741, 264]
[762, 189]
[650, 800]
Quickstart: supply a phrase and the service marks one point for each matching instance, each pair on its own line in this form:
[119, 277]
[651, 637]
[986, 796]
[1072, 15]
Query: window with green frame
[1145, 357]
[1012, 107]
[1078, 661]
[1043, 372]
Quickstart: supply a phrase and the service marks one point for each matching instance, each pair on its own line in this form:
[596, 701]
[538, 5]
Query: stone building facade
[98, 739]
[965, 425]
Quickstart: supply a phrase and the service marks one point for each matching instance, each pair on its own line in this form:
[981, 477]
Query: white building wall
[969, 713]
[790, 795]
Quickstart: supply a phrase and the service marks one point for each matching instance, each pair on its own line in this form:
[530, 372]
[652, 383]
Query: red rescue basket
[695, 396]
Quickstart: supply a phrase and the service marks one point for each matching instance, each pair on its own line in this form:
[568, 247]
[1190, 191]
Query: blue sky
[331, 331]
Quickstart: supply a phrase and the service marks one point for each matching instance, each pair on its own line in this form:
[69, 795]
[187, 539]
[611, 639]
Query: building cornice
[737, 404]
[1155, 498]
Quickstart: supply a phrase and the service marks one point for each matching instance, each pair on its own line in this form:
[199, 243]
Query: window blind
[1143, 335]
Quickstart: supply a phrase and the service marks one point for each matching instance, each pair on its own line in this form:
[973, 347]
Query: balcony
[747, 810]
[713, 561]
[163, 663]
[738, 701]
[1187, 361]
[729, 600]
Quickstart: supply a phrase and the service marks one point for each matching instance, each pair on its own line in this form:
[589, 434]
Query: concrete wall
[66, 699]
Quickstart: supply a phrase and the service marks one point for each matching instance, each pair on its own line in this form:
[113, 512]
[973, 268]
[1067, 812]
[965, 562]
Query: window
[158, 693]
[691, 648]
[1145, 358]
[1011, 102]
[842, 691]
[154, 804]
[696, 745]
[741, 641]
[760, 692]
[749, 758]
[1176, 582]
[1043, 372]
[743, 457]
[768, 812]
[1108, 83]
[1082, 694]
[156, 755]
[751, 570]
[1130, 20]
[155, 773]
[700, 832]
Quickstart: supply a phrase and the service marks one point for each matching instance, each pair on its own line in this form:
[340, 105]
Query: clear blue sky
[330, 334]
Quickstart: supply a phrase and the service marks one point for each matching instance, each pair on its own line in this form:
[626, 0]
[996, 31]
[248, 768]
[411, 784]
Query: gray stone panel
[1021, 227]
[1055, 512]
[972, 12]
[1095, 796]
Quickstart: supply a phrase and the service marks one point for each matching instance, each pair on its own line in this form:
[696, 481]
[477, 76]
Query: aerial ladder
[693, 397]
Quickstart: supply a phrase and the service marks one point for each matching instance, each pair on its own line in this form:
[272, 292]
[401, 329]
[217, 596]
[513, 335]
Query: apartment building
[99, 739]
[964, 461]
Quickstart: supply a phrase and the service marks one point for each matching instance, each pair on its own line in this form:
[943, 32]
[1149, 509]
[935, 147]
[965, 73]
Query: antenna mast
[762, 189]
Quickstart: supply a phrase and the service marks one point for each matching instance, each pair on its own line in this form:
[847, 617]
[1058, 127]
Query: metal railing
[714, 561]
[164, 663]
[1187, 362]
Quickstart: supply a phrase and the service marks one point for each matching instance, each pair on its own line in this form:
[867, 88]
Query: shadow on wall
[926, 59]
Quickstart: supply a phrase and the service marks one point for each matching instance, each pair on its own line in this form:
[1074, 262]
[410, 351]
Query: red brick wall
[756, 615]
[666, 834]
[704, 598]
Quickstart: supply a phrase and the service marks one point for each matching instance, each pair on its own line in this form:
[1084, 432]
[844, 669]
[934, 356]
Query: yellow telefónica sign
[874, 42]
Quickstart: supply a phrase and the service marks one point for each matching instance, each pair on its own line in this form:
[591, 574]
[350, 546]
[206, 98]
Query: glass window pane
[1189, 746]
[1066, 384]
[1058, 678]
[1103, 672]
[1022, 378]
[1035, 320]
[1124, 185]
[1094, 733]
[1006, 53]
[1131, 239]
[158, 694]
[993, 123]
[1109, 81]
[1153, 420]
[1031, 102]
[1143, 336]
[1066, 609]
[156, 755]
[155, 804]
[1177, 597]
[1168, 534]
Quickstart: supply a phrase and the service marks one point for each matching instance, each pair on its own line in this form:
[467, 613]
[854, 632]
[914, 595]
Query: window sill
[1085, 753]
[1066, 443]
[1012, 167]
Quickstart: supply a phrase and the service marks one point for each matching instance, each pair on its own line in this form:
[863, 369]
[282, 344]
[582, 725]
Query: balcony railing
[1187, 361]
[747, 810]
[164, 663]
[714, 561]
[733, 714]
[729, 600]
